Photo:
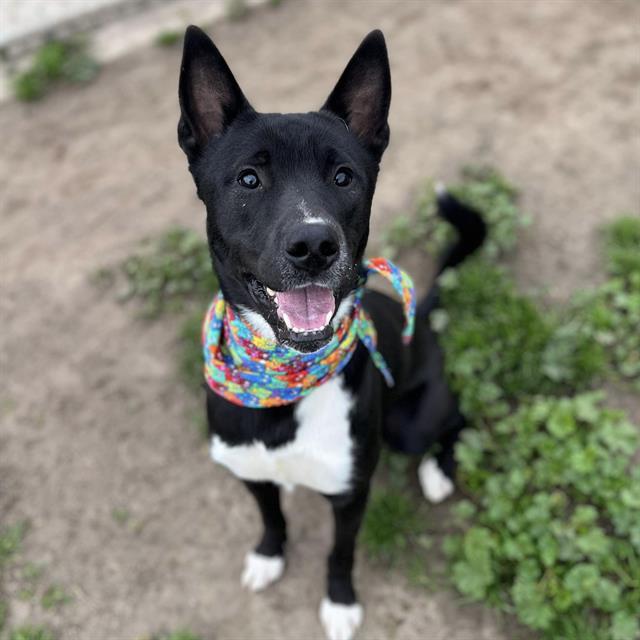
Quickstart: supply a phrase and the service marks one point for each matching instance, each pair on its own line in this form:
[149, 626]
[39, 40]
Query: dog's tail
[471, 230]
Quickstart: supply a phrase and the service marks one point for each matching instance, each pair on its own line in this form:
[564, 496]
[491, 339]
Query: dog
[288, 201]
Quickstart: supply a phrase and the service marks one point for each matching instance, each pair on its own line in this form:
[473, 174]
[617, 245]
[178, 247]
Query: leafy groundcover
[550, 526]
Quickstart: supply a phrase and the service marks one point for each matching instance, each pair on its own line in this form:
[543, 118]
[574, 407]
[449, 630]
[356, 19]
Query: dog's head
[288, 196]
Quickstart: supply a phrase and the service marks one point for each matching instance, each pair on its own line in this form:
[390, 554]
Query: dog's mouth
[305, 310]
[300, 317]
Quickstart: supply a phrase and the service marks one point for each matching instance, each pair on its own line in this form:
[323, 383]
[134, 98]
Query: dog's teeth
[271, 292]
[328, 318]
[287, 321]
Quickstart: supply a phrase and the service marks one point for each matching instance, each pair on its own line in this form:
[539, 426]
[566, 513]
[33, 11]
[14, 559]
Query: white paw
[436, 487]
[340, 621]
[260, 571]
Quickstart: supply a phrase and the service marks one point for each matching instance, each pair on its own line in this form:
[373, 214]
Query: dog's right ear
[210, 98]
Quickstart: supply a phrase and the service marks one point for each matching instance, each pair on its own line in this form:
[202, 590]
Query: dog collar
[250, 370]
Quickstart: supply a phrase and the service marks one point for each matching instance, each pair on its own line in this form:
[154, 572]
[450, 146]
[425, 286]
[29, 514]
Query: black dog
[288, 200]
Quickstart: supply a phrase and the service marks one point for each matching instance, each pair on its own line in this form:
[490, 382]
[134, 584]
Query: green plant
[121, 515]
[177, 635]
[10, 541]
[389, 524]
[236, 9]
[32, 572]
[31, 633]
[4, 613]
[554, 522]
[174, 271]
[483, 188]
[612, 316]
[55, 596]
[190, 359]
[168, 38]
[499, 347]
[611, 312]
[622, 246]
[55, 61]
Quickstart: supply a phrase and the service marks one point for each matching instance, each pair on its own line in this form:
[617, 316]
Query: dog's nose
[312, 247]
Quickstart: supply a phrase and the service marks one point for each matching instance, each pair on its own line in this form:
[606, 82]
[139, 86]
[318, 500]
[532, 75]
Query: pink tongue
[308, 308]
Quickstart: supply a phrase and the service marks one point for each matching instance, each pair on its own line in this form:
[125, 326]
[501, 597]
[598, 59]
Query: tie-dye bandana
[252, 371]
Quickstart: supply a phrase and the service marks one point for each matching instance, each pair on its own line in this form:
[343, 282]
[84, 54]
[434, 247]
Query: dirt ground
[92, 417]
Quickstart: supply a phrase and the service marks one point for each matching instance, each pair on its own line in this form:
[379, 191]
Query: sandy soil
[92, 418]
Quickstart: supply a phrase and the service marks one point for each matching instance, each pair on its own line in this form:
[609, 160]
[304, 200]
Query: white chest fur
[320, 456]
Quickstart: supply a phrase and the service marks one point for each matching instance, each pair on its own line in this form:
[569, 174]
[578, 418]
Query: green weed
[622, 246]
[499, 347]
[611, 312]
[236, 9]
[177, 635]
[31, 633]
[55, 596]
[4, 614]
[190, 359]
[389, 524]
[121, 515]
[175, 270]
[554, 530]
[11, 540]
[56, 61]
[168, 38]
[483, 188]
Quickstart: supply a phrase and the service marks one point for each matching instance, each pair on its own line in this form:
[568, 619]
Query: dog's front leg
[265, 564]
[340, 612]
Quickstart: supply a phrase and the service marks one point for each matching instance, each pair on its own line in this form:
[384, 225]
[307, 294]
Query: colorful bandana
[252, 371]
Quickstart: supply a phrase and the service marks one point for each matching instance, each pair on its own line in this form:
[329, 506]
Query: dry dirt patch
[92, 416]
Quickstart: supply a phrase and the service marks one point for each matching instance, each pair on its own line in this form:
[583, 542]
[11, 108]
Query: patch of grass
[103, 278]
[31, 633]
[121, 515]
[499, 347]
[4, 614]
[612, 311]
[483, 188]
[56, 61]
[551, 528]
[554, 527]
[11, 538]
[389, 525]
[199, 422]
[191, 359]
[173, 271]
[168, 38]
[622, 245]
[177, 635]
[394, 468]
[236, 9]
[55, 596]
[32, 572]
[612, 317]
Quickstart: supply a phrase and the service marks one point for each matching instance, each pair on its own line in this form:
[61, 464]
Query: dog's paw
[436, 487]
[260, 571]
[340, 621]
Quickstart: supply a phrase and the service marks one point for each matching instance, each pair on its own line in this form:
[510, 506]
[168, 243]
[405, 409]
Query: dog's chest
[320, 457]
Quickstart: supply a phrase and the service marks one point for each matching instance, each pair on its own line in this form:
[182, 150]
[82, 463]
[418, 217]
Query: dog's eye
[343, 177]
[249, 179]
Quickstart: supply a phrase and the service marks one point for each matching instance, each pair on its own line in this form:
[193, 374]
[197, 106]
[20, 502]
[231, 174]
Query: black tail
[472, 232]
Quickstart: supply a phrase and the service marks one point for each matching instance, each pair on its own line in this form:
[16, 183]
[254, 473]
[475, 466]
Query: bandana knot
[252, 371]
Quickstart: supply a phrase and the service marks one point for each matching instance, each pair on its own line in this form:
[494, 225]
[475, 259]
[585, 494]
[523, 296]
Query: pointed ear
[363, 94]
[210, 97]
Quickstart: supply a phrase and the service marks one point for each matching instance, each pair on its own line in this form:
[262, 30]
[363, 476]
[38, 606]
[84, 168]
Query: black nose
[311, 246]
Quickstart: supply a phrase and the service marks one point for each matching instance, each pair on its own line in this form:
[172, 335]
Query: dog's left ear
[363, 94]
